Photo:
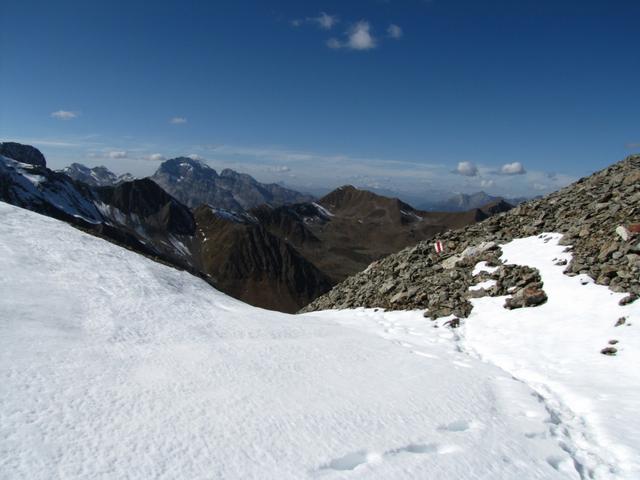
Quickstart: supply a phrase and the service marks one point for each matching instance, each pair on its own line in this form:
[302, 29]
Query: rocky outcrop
[243, 259]
[596, 214]
[145, 203]
[23, 153]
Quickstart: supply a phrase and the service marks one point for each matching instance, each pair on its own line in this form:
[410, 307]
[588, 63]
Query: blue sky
[414, 97]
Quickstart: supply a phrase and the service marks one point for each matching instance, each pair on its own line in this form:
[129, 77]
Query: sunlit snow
[114, 366]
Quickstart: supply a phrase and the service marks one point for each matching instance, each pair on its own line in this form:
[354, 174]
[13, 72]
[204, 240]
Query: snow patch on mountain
[29, 187]
[322, 210]
[555, 348]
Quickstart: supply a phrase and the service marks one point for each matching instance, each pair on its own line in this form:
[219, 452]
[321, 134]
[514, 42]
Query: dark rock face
[194, 183]
[97, 176]
[138, 215]
[23, 153]
[246, 261]
[588, 213]
[145, 200]
[39, 189]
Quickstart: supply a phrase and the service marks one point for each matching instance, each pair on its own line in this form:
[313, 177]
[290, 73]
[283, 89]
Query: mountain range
[195, 183]
[99, 176]
[463, 201]
[276, 255]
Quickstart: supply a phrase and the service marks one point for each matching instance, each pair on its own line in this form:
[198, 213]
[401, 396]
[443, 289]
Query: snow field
[113, 366]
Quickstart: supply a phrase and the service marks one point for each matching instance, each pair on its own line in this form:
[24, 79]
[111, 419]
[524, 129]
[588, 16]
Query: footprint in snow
[424, 448]
[457, 426]
[351, 461]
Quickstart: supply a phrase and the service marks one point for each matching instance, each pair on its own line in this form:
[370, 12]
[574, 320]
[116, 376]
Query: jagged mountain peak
[195, 183]
[99, 176]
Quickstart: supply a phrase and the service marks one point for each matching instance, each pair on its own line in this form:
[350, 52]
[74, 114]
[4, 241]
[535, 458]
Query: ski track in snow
[112, 366]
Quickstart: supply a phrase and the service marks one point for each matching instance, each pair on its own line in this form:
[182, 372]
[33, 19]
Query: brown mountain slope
[247, 262]
[349, 228]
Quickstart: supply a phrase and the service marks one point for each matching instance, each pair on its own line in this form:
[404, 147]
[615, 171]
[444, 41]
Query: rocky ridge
[195, 183]
[597, 216]
[99, 176]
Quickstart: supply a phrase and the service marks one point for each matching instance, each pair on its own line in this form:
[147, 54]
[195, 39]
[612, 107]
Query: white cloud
[117, 154]
[515, 168]
[360, 38]
[296, 22]
[156, 157]
[325, 21]
[394, 31]
[195, 156]
[468, 169]
[178, 120]
[64, 114]
[487, 183]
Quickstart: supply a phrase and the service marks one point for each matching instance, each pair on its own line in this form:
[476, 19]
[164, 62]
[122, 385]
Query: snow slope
[555, 349]
[113, 366]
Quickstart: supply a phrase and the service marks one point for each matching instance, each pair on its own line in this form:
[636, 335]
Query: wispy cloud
[468, 169]
[67, 142]
[323, 21]
[394, 31]
[515, 168]
[334, 43]
[632, 145]
[178, 120]
[64, 114]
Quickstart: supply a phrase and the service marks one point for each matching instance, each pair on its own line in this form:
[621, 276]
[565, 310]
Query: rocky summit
[195, 183]
[599, 217]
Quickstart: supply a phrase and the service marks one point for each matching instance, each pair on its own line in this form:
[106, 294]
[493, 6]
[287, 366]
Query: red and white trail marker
[439, 247]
